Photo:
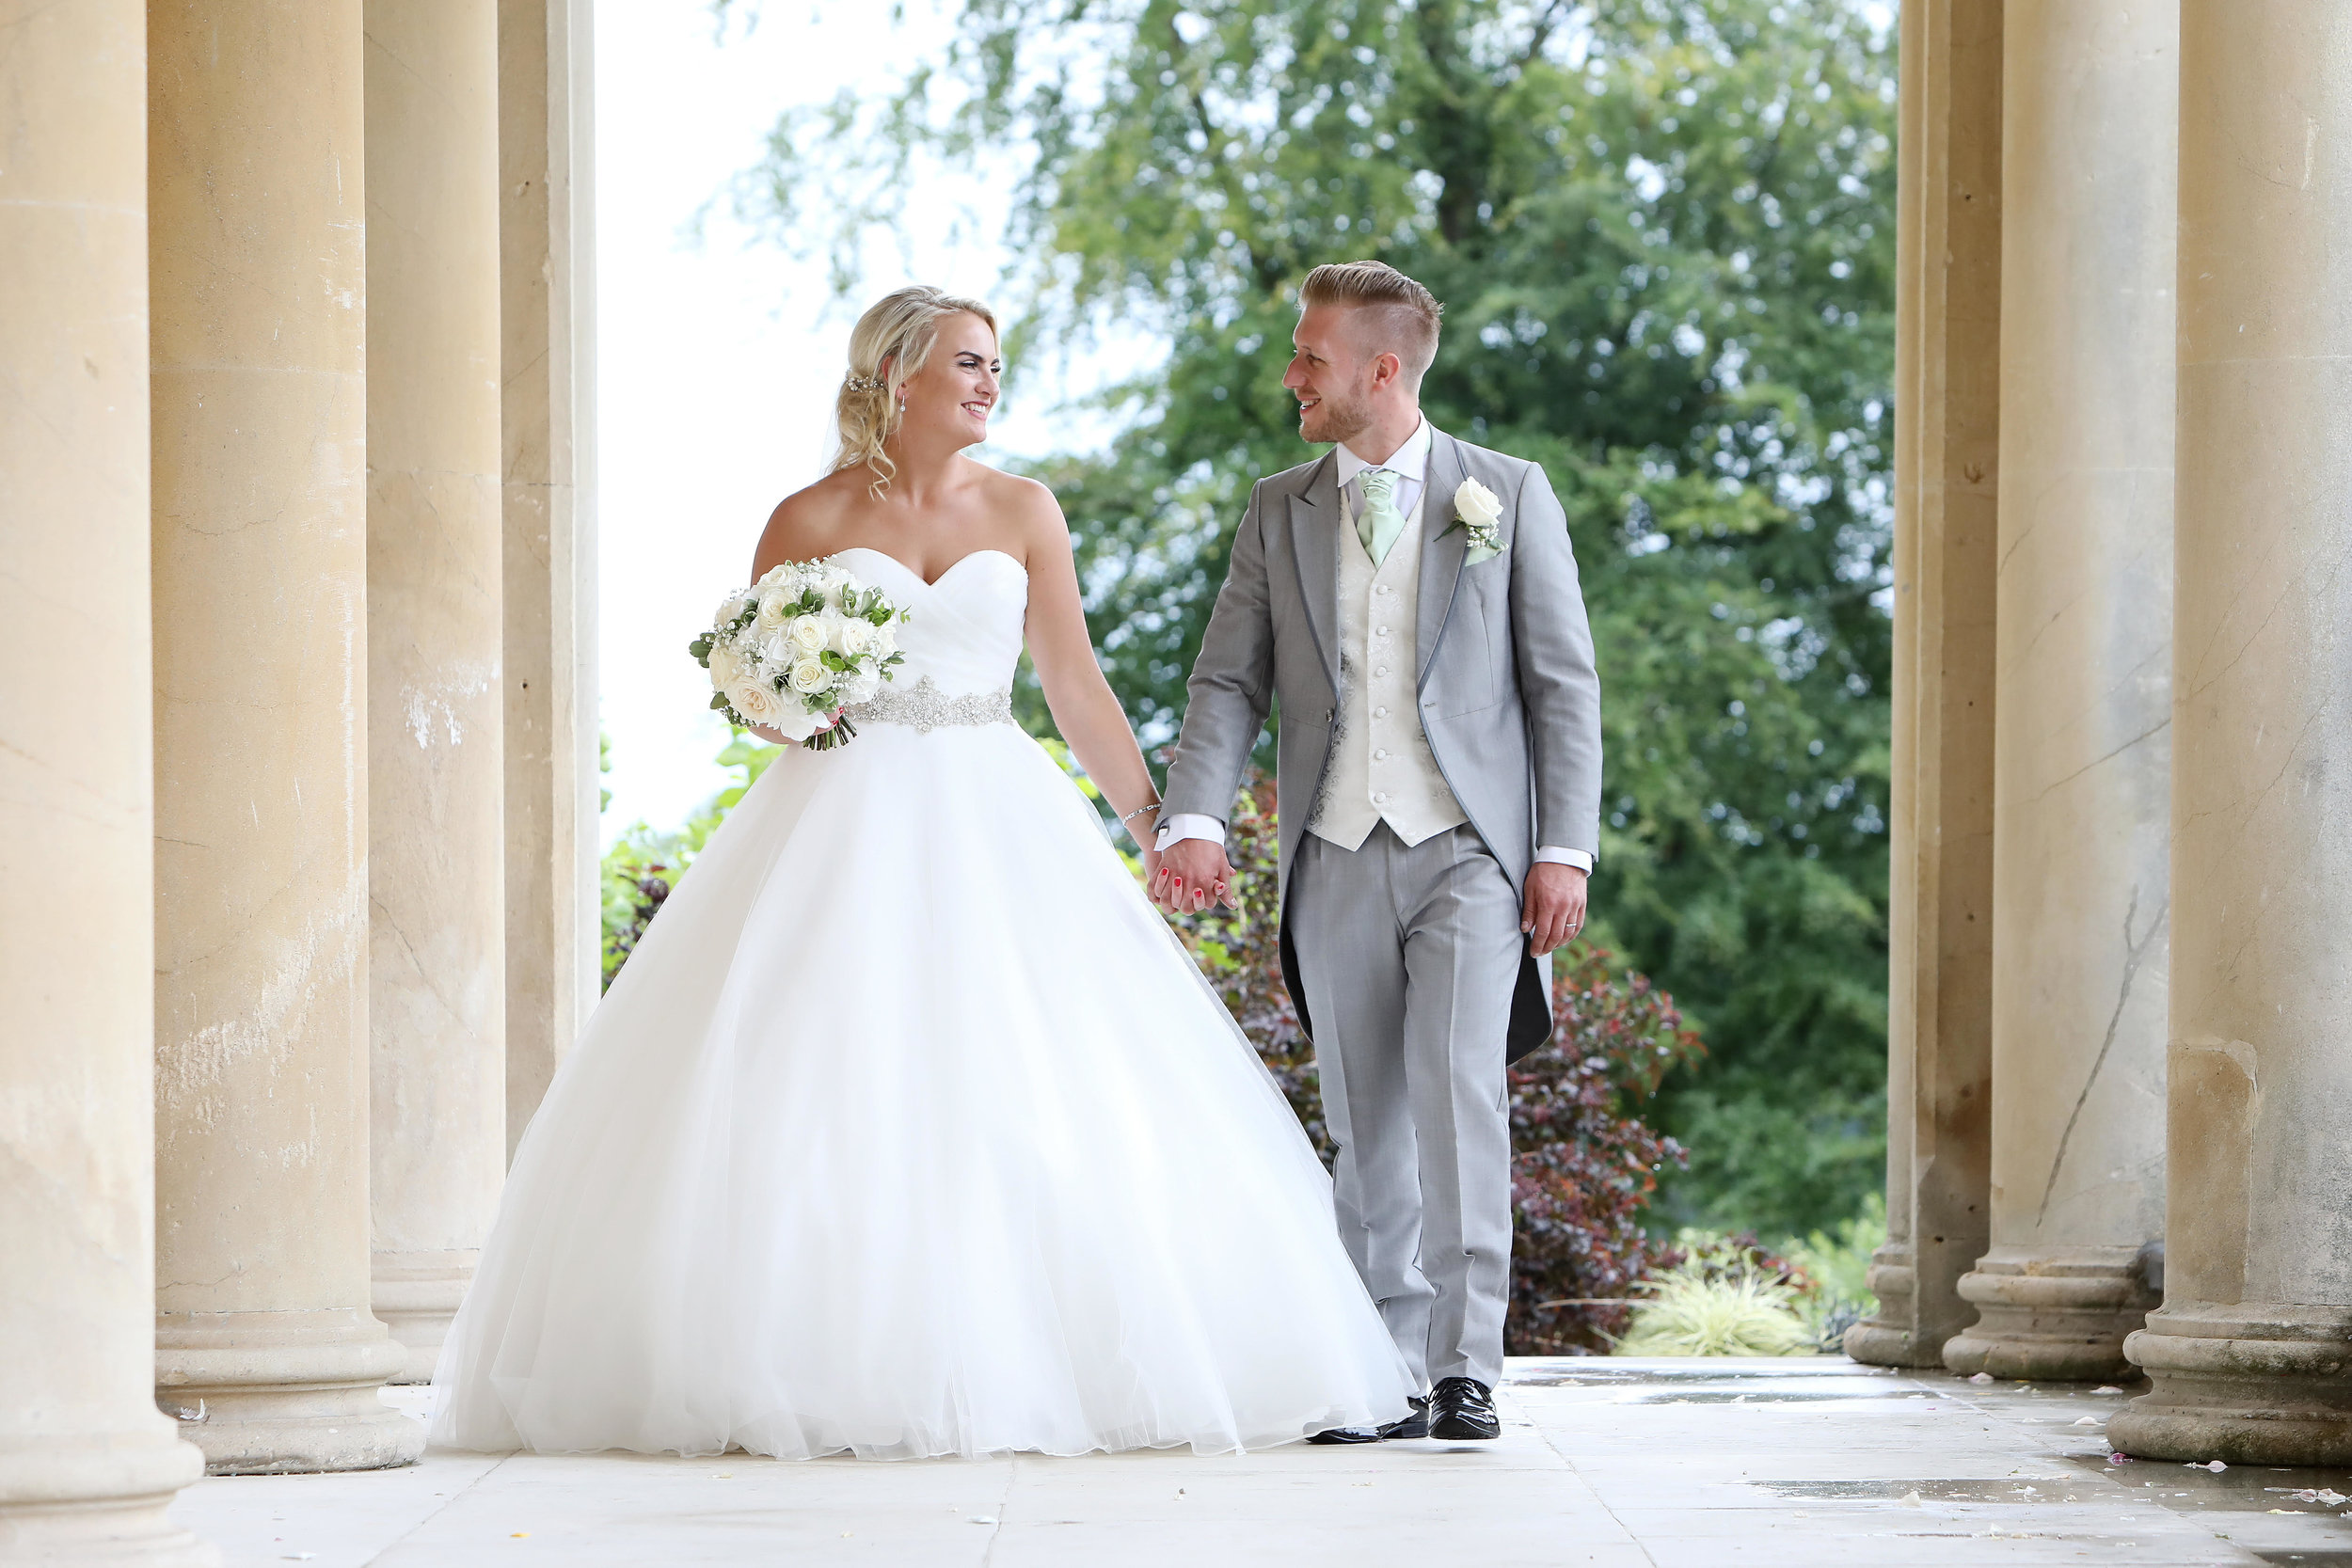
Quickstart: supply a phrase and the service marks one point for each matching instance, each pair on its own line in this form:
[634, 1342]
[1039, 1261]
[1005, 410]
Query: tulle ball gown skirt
[909, 1130]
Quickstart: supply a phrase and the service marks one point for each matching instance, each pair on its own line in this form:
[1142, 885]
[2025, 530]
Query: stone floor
[1608, 1462]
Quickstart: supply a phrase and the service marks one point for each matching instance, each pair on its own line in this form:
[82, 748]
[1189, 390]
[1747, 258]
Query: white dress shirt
[1410, 463]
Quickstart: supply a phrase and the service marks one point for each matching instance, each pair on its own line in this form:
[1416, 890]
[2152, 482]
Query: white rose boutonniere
[1478, 513]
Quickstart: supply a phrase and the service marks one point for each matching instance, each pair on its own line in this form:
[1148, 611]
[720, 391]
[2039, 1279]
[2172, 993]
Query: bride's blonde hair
[887, 348]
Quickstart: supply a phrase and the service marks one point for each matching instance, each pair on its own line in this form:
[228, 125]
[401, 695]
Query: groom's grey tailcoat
[1509, 699]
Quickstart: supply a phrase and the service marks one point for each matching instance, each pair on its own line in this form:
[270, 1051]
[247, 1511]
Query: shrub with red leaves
[1585, 1163]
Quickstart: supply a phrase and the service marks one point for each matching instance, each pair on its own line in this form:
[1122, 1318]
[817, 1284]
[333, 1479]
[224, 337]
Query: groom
[1412, 601]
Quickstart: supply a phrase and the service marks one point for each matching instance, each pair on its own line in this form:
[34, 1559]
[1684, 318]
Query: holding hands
[1191, 875]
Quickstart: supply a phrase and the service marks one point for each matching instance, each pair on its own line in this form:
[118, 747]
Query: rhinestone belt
[924, 707]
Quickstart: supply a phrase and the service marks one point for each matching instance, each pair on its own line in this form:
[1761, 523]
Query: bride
[909, 1129]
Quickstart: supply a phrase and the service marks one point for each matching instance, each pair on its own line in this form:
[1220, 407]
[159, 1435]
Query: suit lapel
[1441, 553]
[1315, 533]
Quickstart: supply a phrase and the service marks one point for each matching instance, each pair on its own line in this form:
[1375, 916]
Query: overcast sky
[716, 363]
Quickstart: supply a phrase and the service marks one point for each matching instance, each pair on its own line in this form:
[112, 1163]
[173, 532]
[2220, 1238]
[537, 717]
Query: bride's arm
[1086, 709]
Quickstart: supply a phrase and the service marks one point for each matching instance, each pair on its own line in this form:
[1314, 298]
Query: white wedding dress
[910, 1129]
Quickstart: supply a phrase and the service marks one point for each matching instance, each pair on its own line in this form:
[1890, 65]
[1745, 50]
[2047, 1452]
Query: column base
[416, 1295]
[2052, 1313]
[99, 1500]
[1885, 1338]
[122, 1532]
[279, 1393]
[2254, 1383]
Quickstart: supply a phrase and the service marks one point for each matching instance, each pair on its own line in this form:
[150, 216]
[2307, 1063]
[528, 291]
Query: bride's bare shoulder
[809, 522]
[1034, 512]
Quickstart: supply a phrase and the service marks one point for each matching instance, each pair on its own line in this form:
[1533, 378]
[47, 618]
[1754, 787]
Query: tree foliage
[1664, 233]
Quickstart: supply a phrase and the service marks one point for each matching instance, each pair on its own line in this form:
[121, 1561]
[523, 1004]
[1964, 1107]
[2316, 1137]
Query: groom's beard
[1335, 418]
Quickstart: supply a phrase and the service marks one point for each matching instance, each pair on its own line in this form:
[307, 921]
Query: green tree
[1664, 233]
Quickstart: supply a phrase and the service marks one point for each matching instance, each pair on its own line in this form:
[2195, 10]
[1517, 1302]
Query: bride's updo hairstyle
[889, 345]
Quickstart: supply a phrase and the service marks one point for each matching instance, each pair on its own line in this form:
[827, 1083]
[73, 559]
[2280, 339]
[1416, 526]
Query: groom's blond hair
[1403, 314]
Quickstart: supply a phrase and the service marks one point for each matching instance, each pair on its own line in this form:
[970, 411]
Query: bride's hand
[1194, 874]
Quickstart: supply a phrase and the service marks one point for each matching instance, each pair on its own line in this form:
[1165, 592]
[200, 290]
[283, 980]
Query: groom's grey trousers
[1408, 955]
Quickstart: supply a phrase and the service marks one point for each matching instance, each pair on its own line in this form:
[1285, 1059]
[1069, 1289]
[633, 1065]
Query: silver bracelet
[1148, 805]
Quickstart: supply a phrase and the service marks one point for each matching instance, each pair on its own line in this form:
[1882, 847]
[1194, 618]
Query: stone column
[87, 1465]
[1947, 419]
[2084, 700]
[265, 1345]
[2252, 1352]
[554, 934]
[437, 968]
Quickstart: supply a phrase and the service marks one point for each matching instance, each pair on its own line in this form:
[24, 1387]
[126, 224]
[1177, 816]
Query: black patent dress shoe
[1415, 1424]
[1462, 1409]
[1346, 1435]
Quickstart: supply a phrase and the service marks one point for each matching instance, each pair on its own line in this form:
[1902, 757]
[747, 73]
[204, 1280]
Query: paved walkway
[1675, 1464]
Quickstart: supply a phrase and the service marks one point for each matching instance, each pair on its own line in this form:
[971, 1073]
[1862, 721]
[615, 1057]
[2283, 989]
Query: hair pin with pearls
[863, 384]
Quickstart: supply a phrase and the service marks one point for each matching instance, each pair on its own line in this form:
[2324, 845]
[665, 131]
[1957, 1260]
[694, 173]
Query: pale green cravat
[1381, 522]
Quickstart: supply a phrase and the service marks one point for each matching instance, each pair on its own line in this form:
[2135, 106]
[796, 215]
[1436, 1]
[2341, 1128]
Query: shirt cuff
[1551, 854]
[1183, 825]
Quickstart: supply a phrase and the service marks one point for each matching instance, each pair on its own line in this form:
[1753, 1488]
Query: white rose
[756, 702]
[886, 639]
[726, 665]
[1477, 506]
[784, 574]
[810, 676]
[775, 607]
[808, 634]
[733, 606]
[852, 639]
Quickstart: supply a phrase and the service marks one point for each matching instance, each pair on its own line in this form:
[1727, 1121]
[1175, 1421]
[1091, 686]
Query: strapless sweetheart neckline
[934, 582]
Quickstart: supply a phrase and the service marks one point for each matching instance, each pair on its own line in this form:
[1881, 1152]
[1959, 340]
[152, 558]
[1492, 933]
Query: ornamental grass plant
[1687, 1313]
[1726, 1295]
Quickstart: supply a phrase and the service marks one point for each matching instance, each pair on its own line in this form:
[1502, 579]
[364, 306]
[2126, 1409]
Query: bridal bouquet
[797, 648]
